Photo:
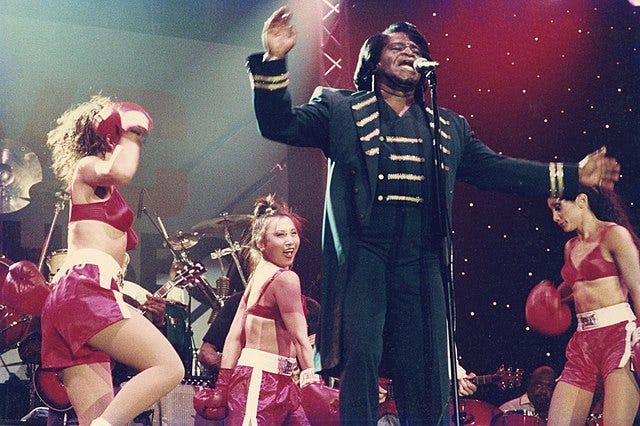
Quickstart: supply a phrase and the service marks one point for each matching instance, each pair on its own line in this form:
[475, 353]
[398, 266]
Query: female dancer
[85, 323]
[602, 270]
[269, 329]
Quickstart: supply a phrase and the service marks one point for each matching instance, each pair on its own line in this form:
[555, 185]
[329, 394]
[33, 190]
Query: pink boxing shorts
[84, 300]
[601, 344]
[262, 391]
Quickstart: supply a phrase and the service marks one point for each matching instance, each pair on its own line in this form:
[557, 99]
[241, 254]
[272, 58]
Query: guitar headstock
[508, 378]
[188, 273]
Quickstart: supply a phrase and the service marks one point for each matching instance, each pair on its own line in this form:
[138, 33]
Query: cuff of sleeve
[571, 181]
[308, 376]
[257, 65]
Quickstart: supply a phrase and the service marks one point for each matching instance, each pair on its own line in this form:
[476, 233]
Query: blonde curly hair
[74, 137]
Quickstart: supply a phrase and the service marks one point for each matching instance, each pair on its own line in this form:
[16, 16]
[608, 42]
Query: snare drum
[54, 262]
[518, 418]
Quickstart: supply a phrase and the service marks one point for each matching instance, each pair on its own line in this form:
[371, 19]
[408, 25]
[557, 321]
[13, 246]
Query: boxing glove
[211, 403]
[635, 351]
[4, 268]
[320, 402]
[545, 311]
[25, 288]
[118, 118]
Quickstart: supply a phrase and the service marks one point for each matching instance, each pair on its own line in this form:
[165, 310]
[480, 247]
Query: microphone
[423, 65]
[223, 283]
[140, 204]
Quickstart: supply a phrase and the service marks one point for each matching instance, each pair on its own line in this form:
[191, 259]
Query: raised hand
[596, 169]
[278, 35]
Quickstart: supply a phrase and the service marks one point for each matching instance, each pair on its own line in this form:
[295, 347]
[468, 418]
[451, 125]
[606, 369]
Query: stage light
[635, 2]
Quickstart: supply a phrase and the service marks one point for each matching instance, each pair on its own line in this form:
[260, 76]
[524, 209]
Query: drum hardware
[223, 282]
[226, 223]
[19, 170]
[183, 240]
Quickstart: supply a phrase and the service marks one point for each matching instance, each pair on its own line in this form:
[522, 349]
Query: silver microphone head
[222, 284]
[423, 65]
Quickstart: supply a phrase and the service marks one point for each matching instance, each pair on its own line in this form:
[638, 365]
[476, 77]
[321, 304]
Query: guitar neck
[483, 380]
[178, 281]
[165, 289]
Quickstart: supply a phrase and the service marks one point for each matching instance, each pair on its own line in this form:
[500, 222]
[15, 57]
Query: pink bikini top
[113, 211]
[592, 267]
[268, 312]
[271, 312]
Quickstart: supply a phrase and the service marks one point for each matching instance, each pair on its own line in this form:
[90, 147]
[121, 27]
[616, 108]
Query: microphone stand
[446, 257]
[58, 207]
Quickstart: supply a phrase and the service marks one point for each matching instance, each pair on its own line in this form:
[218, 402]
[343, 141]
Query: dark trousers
[390, 269]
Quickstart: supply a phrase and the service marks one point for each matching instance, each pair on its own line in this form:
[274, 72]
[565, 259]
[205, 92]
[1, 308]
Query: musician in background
[535, 401]
[210, 352]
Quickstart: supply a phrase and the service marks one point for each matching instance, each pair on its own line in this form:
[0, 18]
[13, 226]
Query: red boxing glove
[4, 268]
[211, 403]
[120, 117]
[635, 351]
[319, 401]
[545, 311]
[25, 288]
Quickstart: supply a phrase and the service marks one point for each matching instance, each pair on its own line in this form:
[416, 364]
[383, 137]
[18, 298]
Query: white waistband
[109, 267]
[605, 316]
[267, 361]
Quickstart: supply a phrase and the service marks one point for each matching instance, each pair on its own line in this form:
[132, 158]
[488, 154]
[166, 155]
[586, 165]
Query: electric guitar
[502, 378]
[47, 383]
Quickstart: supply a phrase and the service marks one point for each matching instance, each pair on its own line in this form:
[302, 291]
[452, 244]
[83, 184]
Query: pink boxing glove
[25, 288]
[211, 403]
[319, 401]
[545, 311]
[120, 117]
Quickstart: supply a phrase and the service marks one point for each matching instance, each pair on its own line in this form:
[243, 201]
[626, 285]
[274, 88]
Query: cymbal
[47, 192]
[183, 240]
[19, 170]
[218, 225]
